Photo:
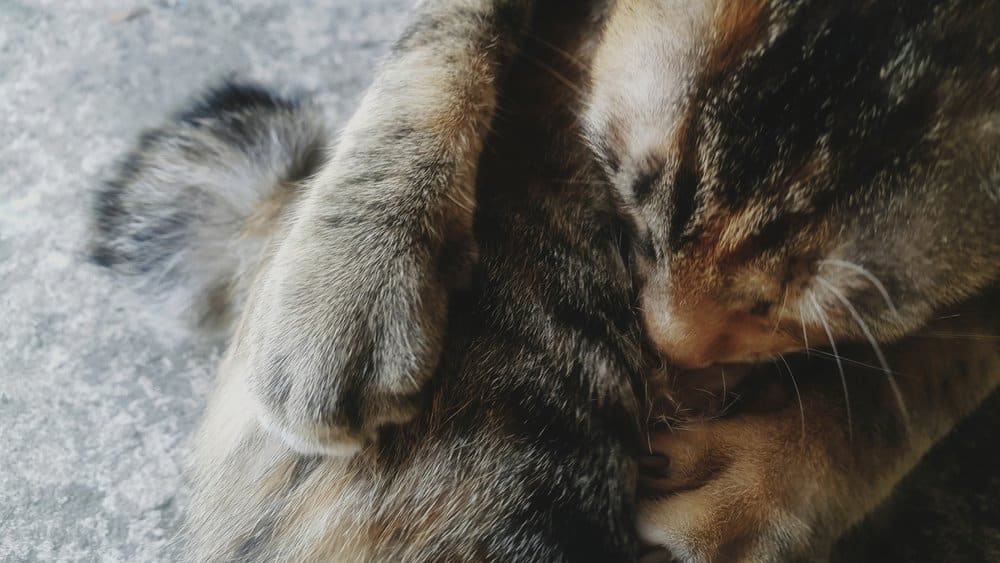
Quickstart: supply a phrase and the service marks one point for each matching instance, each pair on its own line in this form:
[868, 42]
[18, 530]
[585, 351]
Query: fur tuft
[190, 209]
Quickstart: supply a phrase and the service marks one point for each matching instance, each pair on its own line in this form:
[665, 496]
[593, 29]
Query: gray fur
[525, 450]
[178, 216]
[342, 336]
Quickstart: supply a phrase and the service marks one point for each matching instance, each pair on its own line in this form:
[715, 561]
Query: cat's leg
[345, 324]
[785, 484]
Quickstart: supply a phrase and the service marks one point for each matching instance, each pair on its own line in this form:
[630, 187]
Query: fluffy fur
[782, 173]
[525, 446]
[807, 174]
[806, 170]
[189, 210]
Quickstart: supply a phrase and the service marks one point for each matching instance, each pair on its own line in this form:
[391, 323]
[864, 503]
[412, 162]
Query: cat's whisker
[649, 410]
[958, 336]
[727, 406]
[874, 344]
[781, 311]
[795, 385]
[577, 182]
[845, 359]
[805, 336]
[558, 76]
[840, 366]
[865, 273]
[558, 50]
[670, 427]
[466, 206]
[725, 391]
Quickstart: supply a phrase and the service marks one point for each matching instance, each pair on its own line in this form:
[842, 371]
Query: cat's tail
[190, 210]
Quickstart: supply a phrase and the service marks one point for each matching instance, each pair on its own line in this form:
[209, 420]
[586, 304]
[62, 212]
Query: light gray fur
[178, 218]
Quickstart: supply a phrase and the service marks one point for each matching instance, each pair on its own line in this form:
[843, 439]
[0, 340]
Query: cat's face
[798, 174]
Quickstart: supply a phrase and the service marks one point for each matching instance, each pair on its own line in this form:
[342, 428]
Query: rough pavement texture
[96, 404]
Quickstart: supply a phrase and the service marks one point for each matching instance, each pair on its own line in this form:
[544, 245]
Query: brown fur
[795, 210]
[533, 401]
[785, 482]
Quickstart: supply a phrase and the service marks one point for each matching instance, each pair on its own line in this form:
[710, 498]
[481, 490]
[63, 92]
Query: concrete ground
[96, 405]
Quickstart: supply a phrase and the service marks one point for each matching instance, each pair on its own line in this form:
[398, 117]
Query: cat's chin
[717, 390]
[717, 379]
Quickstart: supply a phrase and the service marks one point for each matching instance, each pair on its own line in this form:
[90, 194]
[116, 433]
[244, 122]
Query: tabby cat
[524, 446]
[806, 174]
[777, 175]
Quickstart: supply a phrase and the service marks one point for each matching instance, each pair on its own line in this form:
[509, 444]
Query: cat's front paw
[731, 490]
[342, 338]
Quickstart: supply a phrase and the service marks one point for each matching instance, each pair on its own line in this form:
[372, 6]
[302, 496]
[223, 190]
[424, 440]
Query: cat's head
[798, 174]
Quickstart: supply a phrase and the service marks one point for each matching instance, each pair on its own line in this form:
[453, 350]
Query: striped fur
[490, 408]
[805, 173]
[525, 448]
[800, 153]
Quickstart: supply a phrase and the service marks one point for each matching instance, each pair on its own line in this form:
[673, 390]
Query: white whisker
[795, 385]
[871, 339]
[725, 390]
[569, 57]
[781, 310]
[864, 272]
[845, 359]
[958, 336]
[805, 337]
[558, 76]
[840, 366]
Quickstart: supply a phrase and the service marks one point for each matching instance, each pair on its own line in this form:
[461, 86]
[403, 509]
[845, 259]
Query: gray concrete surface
[96, 404]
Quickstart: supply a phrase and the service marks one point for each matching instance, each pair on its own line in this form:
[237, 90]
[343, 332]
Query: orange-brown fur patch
[737, 27]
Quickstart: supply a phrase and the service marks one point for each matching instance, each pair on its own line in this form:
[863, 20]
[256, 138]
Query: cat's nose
[692, 351]
[698, 334]
[687, 341]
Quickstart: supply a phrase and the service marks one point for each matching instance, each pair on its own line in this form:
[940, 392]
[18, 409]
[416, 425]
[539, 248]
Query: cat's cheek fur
[762, 135]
